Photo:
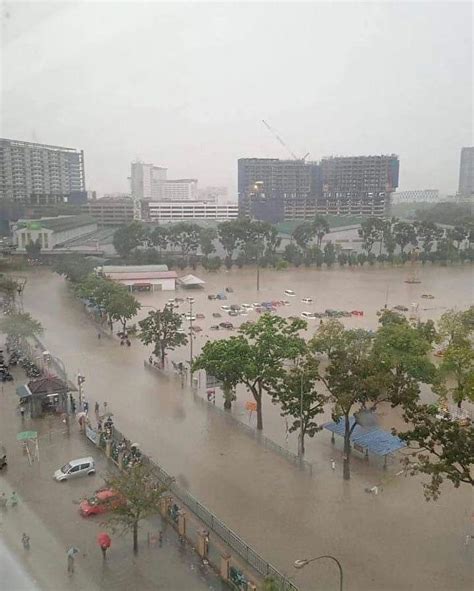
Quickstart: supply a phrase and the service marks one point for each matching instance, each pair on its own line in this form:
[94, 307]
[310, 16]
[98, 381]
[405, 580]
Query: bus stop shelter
[367, 439]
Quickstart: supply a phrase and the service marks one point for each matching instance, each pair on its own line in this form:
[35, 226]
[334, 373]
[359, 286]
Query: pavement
[48, 512]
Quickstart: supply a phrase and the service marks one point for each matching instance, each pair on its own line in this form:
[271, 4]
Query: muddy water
[393, 541]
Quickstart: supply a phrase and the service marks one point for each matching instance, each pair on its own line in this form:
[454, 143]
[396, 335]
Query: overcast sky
[186, 85]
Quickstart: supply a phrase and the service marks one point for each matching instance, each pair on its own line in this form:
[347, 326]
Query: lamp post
[191, 302]
[80, 380]
[301, 563]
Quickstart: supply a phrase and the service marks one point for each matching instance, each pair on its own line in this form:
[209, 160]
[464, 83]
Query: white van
[75, 468]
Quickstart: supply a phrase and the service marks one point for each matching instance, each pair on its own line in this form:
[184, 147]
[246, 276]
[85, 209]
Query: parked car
[307, 301]
[235, 307]
[233, 313]
[290, 292]
[308, 315]
[225, 307]
[75, 468]
[103, 501]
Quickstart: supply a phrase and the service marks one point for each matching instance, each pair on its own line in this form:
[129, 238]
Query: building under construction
[275, 190]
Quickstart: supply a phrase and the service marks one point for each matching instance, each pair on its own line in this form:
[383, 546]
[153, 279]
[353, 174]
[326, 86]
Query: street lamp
[191, 302]
[301, 563]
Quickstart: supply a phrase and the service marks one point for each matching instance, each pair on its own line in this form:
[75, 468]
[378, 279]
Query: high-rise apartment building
[466, 173]
[275, 190]
[39, 174]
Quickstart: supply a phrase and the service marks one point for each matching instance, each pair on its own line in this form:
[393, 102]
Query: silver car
[75, 468]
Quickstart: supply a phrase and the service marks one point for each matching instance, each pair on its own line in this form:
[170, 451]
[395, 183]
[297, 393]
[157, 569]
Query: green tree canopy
[160, 329]
[141, 490]
[20, 325]
[128, 237]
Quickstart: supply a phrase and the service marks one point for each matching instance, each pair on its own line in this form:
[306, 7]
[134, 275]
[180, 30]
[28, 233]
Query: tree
[321, 228]
[99, 291]
[303, 234]
[456, 326]
[296, 391]
[122, 305]
[388, 237]
[206, 240]
[212, 263]
[128, 237]
[221, 360]
[33, 249]
[330, 336]
[20, 325]
[442, 447]
[160, 328]
[160, 237]
[261, 348]
[185, 236]
[291, 252]
[329, 254]
[404, 234]
[9, 287]
[141, 490]
[74, 267]
[371, 231]
[229, 237]
[428, 233]
[456, 372]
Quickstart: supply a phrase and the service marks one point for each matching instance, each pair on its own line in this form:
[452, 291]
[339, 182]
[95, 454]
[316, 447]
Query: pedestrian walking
[13, 499]
[22, 411]
[105, 407]
[99, 336]
[160, 539]
[96, 410]
[73, 406]
[333, 464]
[25, 540]
[104, 541]
[71, 554]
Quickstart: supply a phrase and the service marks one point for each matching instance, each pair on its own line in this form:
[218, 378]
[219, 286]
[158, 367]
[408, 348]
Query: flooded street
[392, 541]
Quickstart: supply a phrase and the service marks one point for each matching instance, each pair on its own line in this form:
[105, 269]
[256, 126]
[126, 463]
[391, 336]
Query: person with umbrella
[104, 541]
[71, 554]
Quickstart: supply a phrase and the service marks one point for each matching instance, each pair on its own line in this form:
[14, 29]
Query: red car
[101, 502]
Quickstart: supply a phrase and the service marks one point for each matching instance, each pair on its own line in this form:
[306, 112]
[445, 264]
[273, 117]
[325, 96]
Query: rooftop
[134, 269]
[58, 224]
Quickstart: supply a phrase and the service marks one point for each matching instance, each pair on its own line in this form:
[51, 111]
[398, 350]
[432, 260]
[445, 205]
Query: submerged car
[290, 292]
[308, 315]
[225, 307]
[307, 301]
[103, 501]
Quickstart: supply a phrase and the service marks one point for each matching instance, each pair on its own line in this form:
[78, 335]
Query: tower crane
[271, 130]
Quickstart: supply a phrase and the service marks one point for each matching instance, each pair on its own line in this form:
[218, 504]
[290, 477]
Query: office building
[466, 173]
[40, 174]
[158, 211]
[52, 232]
[110, 211]
[180, 190]
[274, 190]
[147, 181]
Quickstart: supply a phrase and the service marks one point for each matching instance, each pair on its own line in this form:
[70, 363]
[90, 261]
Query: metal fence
[268, 443]
[245, 552]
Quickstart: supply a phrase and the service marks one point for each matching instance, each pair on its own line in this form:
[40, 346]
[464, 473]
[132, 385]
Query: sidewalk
[47, 512]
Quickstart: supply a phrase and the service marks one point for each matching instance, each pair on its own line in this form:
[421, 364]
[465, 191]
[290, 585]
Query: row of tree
[354, 371]
[114, 302]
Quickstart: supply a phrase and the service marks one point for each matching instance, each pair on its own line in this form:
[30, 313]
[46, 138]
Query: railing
[268, 443]
[247, 553]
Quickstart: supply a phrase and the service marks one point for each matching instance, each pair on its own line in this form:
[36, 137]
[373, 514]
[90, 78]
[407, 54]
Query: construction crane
[271, 130]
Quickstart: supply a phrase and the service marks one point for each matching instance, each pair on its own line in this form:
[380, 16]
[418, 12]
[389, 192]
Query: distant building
[141, 277]
[110, 211]
[147, 181]
[274, 190]
[157, 211]
[52, 232]
[213, 194]
[466, 173]
[421, 196]
[180, 190]
[40, 174]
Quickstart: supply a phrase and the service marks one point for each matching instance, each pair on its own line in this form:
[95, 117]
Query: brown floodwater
[394, 540]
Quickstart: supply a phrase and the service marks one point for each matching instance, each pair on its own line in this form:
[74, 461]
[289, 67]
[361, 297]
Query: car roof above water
[89, 460]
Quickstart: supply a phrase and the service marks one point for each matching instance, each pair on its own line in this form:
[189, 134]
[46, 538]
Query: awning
[374, 439]
[23, 391]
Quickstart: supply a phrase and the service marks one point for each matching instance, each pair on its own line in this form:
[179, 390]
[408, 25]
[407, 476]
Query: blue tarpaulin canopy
[373, 439]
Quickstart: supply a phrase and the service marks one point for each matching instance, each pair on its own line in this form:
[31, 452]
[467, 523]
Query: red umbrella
[104, 540]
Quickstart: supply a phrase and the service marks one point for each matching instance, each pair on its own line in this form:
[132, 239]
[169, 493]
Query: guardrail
[246, 552]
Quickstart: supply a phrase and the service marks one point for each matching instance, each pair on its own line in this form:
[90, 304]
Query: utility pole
[80, 380]
[191, 302]
[300, 439]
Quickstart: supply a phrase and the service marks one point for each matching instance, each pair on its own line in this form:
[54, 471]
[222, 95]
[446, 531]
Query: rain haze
[186, 85]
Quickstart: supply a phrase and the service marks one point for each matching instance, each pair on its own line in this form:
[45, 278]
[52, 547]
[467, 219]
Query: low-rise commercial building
[52, 232]
[110, 212]
[141, 277]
